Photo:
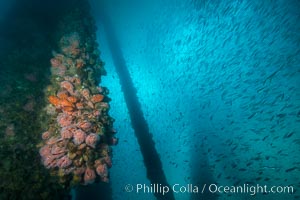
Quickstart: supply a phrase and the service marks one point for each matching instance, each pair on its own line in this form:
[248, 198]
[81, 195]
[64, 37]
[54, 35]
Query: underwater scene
[149, 99]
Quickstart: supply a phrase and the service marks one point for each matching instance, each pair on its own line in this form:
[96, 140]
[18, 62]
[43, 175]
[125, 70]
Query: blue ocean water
[218, 84]
[205, 96]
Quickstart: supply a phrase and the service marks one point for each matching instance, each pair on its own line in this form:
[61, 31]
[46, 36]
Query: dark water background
[202, 91]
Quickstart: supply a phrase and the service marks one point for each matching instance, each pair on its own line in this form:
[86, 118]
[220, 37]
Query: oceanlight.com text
[211, 188]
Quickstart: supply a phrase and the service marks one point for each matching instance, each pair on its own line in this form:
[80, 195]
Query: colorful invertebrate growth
[77, 142]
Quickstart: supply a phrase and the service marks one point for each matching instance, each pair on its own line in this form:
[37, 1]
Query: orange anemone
[62, 95]
[97, 98]
[79, 105]
[72, 99]
[54, 100]
[65, 103]
[68, 108]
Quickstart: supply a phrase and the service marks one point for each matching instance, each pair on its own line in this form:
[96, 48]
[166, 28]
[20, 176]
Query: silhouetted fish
[253, 114]
[288, 134]
[291, 169]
